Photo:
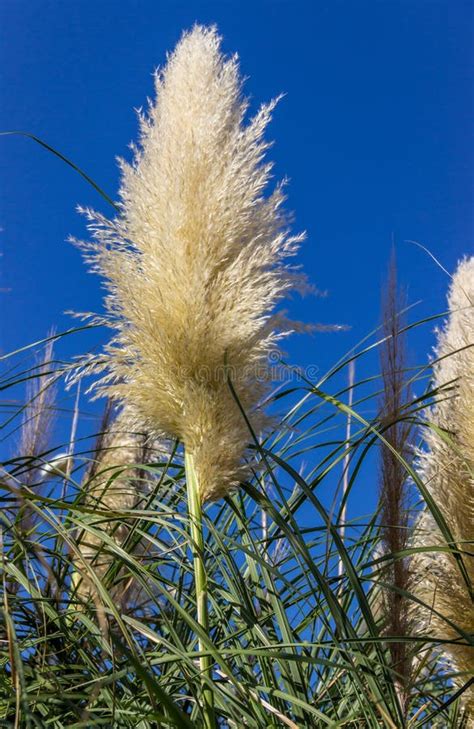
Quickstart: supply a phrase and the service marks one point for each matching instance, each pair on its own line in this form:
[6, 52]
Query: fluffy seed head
[447, 468]
[195, 263]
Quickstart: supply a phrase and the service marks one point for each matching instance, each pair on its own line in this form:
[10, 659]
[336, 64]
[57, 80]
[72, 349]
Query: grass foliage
[297, 578]
[292, 641]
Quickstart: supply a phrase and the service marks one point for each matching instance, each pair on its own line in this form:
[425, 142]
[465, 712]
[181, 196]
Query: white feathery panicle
[195, 264]
[447, 469]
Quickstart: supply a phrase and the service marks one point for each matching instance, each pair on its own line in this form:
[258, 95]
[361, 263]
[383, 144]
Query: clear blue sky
[374, 133]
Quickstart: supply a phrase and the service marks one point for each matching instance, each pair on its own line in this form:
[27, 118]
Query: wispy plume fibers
[195, 263]
[447, 469]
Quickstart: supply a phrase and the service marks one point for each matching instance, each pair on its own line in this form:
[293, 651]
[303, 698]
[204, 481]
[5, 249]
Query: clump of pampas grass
[447, 469]
[195, 264]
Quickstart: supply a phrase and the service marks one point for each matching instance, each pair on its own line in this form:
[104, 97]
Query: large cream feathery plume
[447, 469]
[195, 264]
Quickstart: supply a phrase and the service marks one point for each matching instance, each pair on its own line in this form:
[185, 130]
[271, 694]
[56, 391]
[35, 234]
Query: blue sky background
[374, 133]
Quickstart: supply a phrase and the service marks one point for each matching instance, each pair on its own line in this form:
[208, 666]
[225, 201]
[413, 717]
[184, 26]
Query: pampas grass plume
[447, 468]
[195, 264]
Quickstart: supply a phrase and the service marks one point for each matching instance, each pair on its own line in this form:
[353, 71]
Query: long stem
[345, 466]
[200, 579]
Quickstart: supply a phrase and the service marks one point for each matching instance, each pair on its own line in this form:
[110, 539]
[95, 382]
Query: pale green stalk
[200, 579]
